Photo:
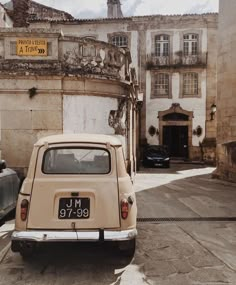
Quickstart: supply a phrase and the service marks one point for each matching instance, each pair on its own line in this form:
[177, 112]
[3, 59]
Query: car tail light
[124, 209]
[24, 209]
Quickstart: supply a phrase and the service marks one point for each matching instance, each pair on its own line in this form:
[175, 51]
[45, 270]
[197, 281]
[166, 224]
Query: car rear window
[76, 161]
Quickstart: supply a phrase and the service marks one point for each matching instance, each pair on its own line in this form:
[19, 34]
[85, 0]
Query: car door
[71, 198]
[7, 201]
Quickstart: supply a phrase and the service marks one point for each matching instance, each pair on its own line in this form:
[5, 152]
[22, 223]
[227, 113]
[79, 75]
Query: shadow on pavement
[88, 263]
[173, 169]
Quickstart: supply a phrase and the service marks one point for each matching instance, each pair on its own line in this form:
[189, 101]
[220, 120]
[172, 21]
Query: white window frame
[191, 44]
[190, 84]
[120, 40]
[162, 45]
[161, 86]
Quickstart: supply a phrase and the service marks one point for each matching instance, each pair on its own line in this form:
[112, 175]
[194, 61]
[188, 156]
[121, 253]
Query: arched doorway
[175, 125]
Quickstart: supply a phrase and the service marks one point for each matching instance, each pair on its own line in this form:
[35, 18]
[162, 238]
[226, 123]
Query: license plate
[158, 164]
[74, 208]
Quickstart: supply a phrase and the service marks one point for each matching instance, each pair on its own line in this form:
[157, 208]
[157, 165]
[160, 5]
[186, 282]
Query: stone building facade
[175, 58]
[226, 95]
[76, 85]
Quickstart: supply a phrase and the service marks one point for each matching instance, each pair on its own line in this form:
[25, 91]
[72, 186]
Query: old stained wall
[72, 75]
[25, 120]
[226, 96]
[139, 31]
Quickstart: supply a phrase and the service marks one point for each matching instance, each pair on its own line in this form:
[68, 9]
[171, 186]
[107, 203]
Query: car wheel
[127, 248]
[15, 246]
[145, 165]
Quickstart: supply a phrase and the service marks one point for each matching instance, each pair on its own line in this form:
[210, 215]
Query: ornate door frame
[176, 109]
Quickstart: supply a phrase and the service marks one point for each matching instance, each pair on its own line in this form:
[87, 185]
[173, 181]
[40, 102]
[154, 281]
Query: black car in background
[156, 156]
[9, 189]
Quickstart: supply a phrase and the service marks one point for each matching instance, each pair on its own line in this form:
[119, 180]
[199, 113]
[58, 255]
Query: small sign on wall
[31, 47]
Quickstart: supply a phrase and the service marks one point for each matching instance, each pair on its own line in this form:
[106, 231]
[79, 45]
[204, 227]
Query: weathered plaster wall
[24, 120]
[100, 31]
[81, 116]
[196, 105]
[140, 32]
[226, 96]
[72, 88]
[207, 80]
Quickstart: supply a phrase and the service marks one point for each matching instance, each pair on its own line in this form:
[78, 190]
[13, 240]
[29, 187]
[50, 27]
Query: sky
[98, 8]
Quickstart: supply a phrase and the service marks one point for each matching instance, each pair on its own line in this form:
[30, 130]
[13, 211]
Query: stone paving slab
[218, 238]
[189, 197]
[172, 256]
[170, 253]
[166, 254]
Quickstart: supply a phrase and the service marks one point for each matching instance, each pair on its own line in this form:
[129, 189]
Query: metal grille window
[162, 45]
[191, 44]
[120, 41]
[190, 84]
[161, 86]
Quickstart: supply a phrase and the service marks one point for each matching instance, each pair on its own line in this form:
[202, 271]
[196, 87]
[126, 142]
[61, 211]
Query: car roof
[161, 147]
[80, 138]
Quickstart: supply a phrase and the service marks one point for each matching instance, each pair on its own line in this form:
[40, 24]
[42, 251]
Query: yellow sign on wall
[31, 47]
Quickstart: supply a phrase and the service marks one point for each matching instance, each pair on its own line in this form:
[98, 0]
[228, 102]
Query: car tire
[145, 165]
[167, 165]
[27, 250]
[26, 254]
[15, 246]
[127, 248]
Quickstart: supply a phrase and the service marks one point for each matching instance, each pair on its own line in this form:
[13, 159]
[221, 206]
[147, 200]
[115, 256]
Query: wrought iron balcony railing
[176, 60]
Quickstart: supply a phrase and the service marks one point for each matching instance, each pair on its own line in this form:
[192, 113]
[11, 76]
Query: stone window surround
[153, 76]
[160, 45]
[123, 34]
[159, 33]
[181, 82]
[190, 44]
[192, 31]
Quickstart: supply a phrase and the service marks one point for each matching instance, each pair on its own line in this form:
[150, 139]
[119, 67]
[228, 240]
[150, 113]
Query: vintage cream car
[77, 189]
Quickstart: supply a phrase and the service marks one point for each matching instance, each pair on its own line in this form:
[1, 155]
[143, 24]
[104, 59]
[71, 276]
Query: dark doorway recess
[175, 117]
[176, 138]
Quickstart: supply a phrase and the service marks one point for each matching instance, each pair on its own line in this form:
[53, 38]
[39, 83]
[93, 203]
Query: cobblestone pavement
[187, 236]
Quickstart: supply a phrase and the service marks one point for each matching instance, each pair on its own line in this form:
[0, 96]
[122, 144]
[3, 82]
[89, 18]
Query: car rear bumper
[65, 236]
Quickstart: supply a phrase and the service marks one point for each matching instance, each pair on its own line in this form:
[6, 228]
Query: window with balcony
[162, 44]
[161, 85]
[190, 84]
[190, 44]
[120, 41]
